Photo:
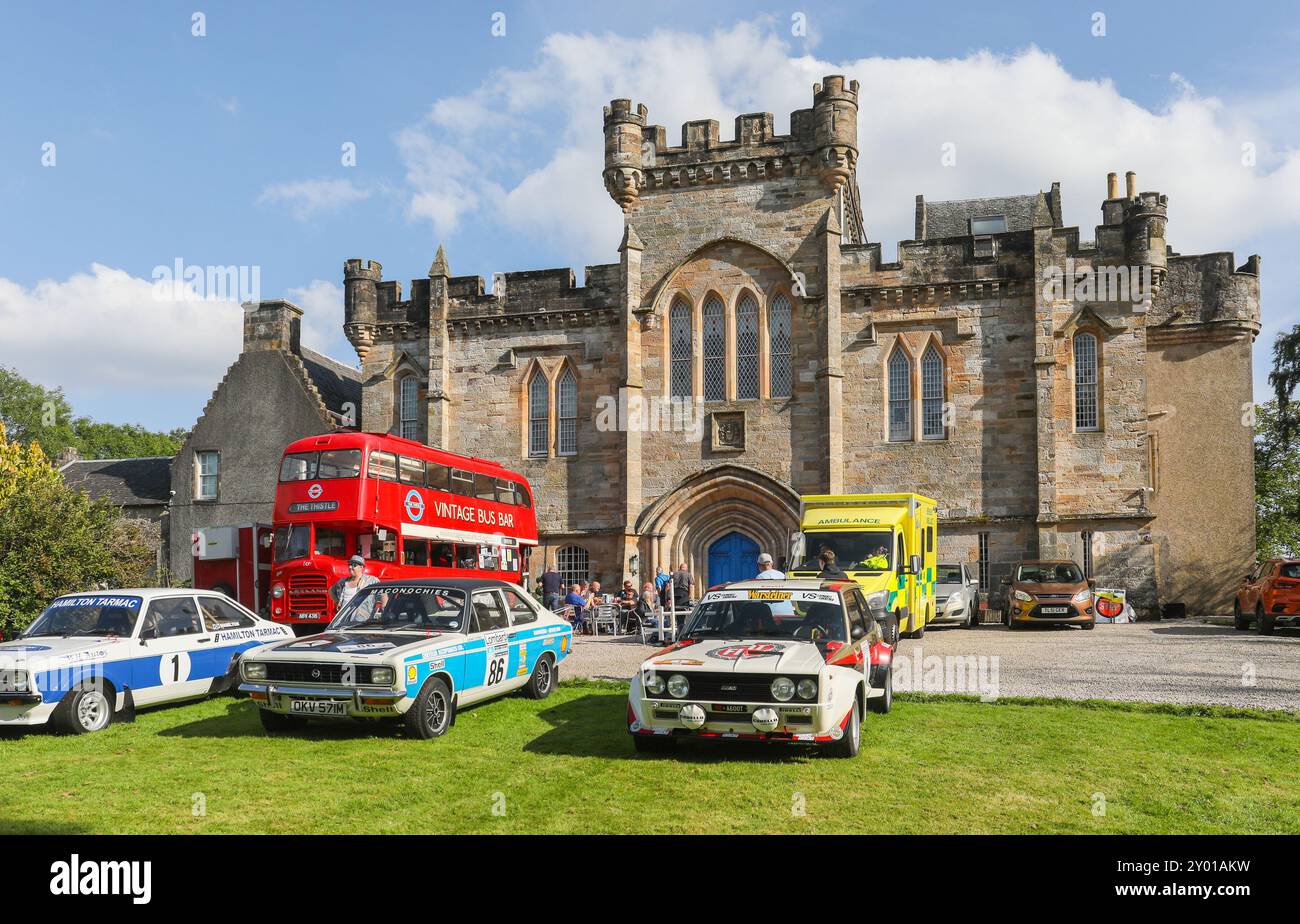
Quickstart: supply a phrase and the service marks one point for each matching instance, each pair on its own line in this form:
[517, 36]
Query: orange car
[1269, 596]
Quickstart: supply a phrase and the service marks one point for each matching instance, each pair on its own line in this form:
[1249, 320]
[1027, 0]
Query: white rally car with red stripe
[797, 661]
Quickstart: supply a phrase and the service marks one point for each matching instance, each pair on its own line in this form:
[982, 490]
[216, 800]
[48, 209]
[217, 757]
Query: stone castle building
[1047, 421]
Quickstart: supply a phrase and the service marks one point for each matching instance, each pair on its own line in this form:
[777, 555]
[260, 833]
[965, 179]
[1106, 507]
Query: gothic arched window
[779, 330]
[680, 345]
[747, 348]
[932, 424]
[408, 406]
[715, 350]
[566, 413]
[900, 395]
[539, 418]
[1086, 405]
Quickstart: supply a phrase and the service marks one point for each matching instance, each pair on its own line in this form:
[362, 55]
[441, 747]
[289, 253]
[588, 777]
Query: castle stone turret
[623, 129]
[361, 303]
[835, 123]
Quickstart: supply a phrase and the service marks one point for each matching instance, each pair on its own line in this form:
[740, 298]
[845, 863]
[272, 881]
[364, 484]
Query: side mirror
[857, 632]
[914, 564]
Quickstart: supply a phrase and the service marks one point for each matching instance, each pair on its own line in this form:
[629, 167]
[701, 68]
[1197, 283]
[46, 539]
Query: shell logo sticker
[741, 652]
[411, 673]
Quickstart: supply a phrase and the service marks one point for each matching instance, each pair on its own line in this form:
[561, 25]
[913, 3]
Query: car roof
[789, 584]
[451, 583]
[1050, 561]
[147, 592]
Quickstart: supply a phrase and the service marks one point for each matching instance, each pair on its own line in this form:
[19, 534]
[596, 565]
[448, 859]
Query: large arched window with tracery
[680, 339]
[932, 423]
[715, 350]
[747, 347]
[779, 334]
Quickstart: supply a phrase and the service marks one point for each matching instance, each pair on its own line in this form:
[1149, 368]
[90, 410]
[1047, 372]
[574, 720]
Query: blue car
[414, 651]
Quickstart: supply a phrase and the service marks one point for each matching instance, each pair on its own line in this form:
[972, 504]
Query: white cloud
[105, 331]
[1019, 122]
[308, 198]
[321, 302]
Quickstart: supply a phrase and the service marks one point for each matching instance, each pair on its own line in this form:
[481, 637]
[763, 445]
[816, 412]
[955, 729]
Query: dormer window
[992, 224]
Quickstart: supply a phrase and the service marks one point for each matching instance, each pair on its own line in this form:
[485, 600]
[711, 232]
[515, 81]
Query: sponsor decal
[412, 672]
[8, 648]
[770, 594]
[128, 602]
[435, 665]
[689, 662]
[365, 646]
[742, 652]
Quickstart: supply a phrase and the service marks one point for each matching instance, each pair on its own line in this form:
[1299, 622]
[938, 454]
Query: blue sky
[225, 149]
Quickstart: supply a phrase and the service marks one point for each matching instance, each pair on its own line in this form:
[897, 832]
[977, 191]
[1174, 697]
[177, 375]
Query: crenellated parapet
[823, 143]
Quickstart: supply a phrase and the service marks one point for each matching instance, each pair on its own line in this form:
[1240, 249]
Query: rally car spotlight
[783, 689]
[253, 670]
[807, 688]
[655, 684]
[765, 719]
[692, 716]
[679, 686]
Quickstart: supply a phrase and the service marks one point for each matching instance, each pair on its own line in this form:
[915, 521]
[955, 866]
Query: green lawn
[567, 765]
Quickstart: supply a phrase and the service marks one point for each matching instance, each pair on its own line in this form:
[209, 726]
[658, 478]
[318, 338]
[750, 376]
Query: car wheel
[891, 629]
[274, 722]
[1089, 625]
[542, 682]
[851, 742]
[430, 714]
[1239, 621]
[1263, 623]
[883, 704]
[88, 708]
[653, 744]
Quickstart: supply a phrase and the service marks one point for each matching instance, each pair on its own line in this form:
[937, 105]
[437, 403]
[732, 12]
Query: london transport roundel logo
[414, 504]
[314, 491]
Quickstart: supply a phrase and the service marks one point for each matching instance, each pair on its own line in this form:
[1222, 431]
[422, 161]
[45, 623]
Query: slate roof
[338, 384]
[951, 218]
[142, 482]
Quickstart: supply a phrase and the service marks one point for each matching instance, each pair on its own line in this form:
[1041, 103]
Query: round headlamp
[655, 684]
[277, 591]
[678, 686]
[807, 688]
[783, 688]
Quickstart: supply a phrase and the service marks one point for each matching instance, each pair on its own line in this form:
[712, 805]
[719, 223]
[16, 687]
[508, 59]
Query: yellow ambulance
[884, 542]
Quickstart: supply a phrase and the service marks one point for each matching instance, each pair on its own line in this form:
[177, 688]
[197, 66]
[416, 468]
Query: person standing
[552, 587]
[662, 577]
[346, 588]
[767, 570]
[682, 584]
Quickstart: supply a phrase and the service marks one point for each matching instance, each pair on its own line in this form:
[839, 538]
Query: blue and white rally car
[414, 651]
[91, 657]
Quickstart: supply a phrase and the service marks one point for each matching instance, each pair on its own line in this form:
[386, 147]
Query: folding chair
[606, 616]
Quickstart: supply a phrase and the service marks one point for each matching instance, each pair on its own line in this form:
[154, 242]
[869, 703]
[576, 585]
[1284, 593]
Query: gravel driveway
[1184, 661]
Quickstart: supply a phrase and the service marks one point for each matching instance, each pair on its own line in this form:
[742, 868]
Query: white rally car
[793, 661]
[414, 651]
[95, 656]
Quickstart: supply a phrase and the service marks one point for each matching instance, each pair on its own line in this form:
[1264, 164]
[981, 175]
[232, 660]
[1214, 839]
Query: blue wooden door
[734, 557]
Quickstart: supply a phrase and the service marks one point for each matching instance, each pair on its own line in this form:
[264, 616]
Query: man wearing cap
[357, 578]
[767, 571]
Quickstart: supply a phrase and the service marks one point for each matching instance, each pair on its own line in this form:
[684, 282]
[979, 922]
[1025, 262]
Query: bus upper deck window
[299, 466]
[462, 482]
[521, 495]
[436, 476]
[412, 470]
[485, 487]
[383, 465]
[506, 492]
[339, 463]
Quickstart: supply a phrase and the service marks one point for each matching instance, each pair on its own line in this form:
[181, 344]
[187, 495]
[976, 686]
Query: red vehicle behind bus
[410, 510]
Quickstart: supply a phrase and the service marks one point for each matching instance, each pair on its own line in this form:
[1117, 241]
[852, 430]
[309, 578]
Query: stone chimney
[1112, 186]
[1131, 181]
[272, 325]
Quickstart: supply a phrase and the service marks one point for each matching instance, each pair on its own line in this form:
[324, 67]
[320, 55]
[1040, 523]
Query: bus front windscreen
[292, 542]
[854, 551]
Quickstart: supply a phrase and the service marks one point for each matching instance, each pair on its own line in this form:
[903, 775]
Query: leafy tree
[1286, 373]
[1277, 480]
[54, 540]
[34, 414]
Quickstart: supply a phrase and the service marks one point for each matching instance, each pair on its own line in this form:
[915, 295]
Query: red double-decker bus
[410, 510]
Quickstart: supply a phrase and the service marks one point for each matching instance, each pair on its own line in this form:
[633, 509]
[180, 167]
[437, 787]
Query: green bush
[54, 540]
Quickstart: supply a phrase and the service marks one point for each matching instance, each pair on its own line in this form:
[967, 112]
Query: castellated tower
[361, 304]
[815, 163]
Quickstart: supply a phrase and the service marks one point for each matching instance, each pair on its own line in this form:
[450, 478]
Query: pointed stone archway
[685, 522]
